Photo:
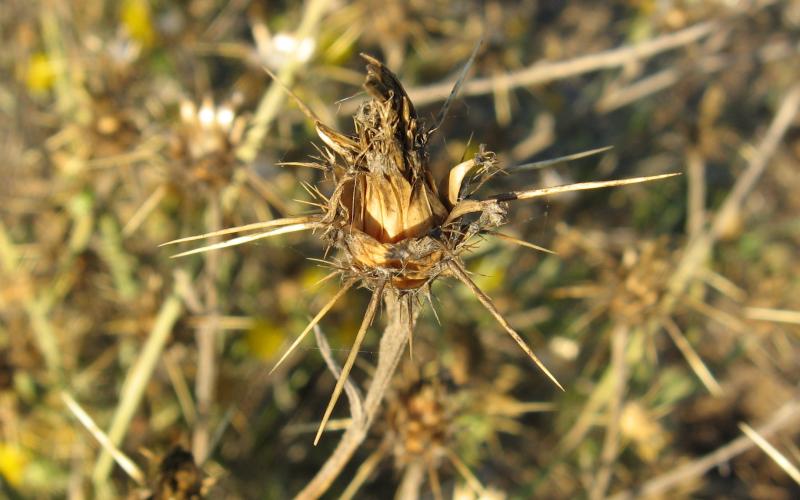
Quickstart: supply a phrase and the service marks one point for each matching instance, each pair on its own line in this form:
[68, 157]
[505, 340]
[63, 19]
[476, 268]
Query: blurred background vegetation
[670, 312]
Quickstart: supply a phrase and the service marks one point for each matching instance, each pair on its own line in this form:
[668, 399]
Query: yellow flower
[13, 461]
[41, 73]
[137, 19]
[264, 340]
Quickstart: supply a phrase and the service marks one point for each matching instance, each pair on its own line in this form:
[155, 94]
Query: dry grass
[667, 311]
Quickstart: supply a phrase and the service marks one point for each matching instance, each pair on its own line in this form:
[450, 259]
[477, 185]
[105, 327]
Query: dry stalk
[206, 338]
[543, 72]
[773, 453]
[412, 480]
[700, 246]
[126, 463]
[400, 320]
[136, 381]
[611, 443]
[786, 417]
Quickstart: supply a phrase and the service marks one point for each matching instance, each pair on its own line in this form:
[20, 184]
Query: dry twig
[785, 417]
[543, 72]
[393, 342]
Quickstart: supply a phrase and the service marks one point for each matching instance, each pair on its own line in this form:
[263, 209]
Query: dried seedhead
[203, 145]
[419, 421]
[631, 275]
[395, 225]
[178, 477]
[435, 424]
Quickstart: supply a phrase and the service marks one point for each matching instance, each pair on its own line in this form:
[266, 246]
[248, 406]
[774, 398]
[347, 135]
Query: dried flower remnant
[179, 478]
[100, 120]
[204, 142]
[394, 224]
[280, 49]
[419, 423]
[433, 424]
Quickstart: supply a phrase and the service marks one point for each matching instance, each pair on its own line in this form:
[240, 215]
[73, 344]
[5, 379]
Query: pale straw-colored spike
[581, 186]
[311, 203]
[520, 242]
[300, 104]
[410, 320]
[302, 164]
[351, 358]
[250, 237]
[325, 279]
[333, 139]
[467, 474]
[773, 452]
[247, 227]
[322, 312]
[465, 207]
[126, 463]
[487, 302]
[429, 296]
[537, 165]
[457, 86]
[695, 361]
[144, 210]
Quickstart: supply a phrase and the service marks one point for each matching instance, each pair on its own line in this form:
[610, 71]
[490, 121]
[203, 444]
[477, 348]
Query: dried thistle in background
[433, 426]
[203, 144]
[179, 478]
[396, 227]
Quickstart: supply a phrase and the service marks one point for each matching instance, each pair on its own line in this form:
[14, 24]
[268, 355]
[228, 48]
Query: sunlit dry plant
[179, 477]
[395, 226]
[432, 423]
[632, 279]
[203, 145]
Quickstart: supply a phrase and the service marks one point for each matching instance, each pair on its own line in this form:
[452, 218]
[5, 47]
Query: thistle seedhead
[435, 424]
[387, 213]
[631, 275]
[396, 226]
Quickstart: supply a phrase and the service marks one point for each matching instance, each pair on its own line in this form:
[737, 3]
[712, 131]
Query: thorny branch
[392, 345]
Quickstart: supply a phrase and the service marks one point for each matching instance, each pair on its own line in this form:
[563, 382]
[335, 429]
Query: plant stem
[136, 382]
[392, 345]
[206, 338]
[411, 483]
